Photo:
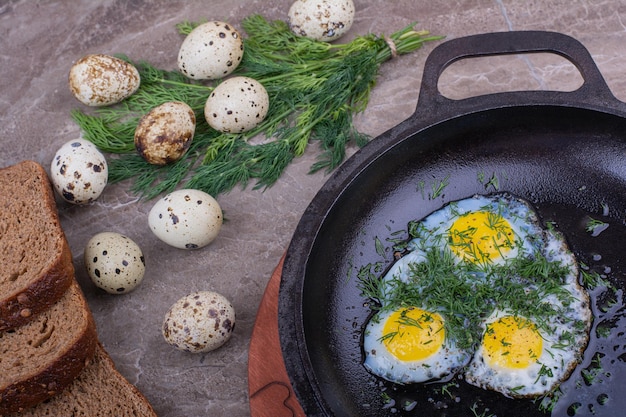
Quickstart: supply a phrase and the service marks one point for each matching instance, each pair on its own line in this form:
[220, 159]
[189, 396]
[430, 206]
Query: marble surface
[39, 41]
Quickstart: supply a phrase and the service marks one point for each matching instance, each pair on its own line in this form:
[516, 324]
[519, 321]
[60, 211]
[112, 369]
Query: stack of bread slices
[51, 361]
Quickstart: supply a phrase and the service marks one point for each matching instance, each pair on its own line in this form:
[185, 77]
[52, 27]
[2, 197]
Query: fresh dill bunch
[315, 88]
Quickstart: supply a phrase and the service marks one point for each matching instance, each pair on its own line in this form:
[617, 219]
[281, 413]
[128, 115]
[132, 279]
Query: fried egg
[524, 357]
[517, 319]
[479, 231]
[519, 359]
[409, 345]
[482, 230]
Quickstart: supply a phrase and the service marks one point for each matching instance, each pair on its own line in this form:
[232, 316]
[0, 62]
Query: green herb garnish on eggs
[504, 288]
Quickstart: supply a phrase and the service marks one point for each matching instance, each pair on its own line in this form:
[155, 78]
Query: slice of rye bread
[37, 264]
[99, 391]
[41, 358]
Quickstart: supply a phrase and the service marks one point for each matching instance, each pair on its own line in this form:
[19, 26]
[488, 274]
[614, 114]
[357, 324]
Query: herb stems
[315, 88]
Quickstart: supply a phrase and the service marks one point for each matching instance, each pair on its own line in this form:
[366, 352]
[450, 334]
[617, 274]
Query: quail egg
[164, 134]
[102, 80]
[186, 219]
[114, 262]
[210, 51]
[79, 172]
[237, 105]
[199, 322]
[322, 20]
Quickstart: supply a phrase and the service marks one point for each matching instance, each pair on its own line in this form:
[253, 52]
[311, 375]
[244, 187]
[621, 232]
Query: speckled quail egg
[186, 219]
[114, 262]
[79, 172]
[164, 134]
[237, 105]
[199, 322]
[210, 51]
[322, 20]
[102, 80]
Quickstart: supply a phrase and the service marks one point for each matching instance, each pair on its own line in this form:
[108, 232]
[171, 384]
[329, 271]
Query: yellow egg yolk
[512, 342]
[481, 237]
[413, 334]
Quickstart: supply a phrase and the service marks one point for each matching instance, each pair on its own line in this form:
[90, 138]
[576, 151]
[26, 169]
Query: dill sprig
[315, 89]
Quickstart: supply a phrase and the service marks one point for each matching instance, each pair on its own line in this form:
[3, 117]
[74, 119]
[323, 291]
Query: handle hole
[476, 76]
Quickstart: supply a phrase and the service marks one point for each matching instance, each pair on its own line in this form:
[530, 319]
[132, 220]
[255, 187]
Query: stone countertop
[39, 41]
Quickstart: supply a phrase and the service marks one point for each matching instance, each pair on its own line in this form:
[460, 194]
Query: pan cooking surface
[568, 162]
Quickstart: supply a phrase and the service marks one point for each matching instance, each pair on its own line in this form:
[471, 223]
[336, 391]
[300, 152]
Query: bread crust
[59, 374]
[100, 390]
[20, 306]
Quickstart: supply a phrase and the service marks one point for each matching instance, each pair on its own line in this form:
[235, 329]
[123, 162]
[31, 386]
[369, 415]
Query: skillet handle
[594, 92]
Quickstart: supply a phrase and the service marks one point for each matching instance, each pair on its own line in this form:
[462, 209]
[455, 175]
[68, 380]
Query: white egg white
[564, 339]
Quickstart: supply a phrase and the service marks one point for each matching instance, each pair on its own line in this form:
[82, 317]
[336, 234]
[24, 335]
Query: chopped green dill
[591, 279]
[380, 248]
[548, 402]
[445, 389]
[544, 371]
[491, 182]
[572, 410]
[594, 372]
[437, 188]
[385, 397]
[378, 267]
[603, 331]
[465, 293]
[595, 227]
[414, 228]
[369, 282]
[398, 240]
[566, 339]
[603, 399]
[389, 336]
[608, 304]
[477, 413]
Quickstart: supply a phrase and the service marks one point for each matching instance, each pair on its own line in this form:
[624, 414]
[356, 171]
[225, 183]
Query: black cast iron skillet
[562, 151]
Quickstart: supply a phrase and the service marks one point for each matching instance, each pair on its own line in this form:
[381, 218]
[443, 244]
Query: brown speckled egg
[199, 322]
[237, 105]
[322, 20]
[114, 262]
[79, 172]
[210, 51]
[164, 134]
[102, 80]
